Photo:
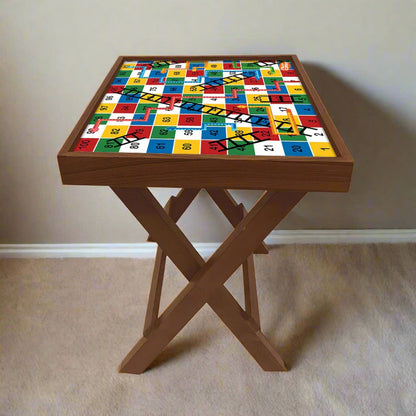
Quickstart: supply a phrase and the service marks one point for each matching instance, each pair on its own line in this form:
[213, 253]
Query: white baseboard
[148, 250]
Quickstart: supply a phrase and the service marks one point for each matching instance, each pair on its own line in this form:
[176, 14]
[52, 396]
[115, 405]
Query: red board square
[290, 73]
[264, 134]
[230, 66]
[154, 81]
[197, 73]
[115, 89]
[211, 148]
[86, 145]
[310, 121]
[280, 98]
[253, 81]
[141, 131]
[214, 90]
[165, 100]
[142, 65]
[235, 108]
[125, 108]
[190, 120]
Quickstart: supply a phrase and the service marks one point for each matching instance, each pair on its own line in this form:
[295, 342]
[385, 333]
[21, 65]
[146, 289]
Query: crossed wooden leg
[234, 212]
[206, 279]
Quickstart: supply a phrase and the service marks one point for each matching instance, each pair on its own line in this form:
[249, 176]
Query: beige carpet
[343, 318]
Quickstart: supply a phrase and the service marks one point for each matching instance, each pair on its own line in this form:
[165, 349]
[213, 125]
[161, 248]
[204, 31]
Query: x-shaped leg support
[206, 279]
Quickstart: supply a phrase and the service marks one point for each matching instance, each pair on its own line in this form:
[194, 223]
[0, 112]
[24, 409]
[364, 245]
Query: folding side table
[213, 123]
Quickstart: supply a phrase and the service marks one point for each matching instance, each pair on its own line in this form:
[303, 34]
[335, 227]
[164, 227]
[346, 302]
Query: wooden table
[213, 123]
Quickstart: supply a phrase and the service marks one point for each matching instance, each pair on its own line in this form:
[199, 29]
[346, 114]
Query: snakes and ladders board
[207, 107]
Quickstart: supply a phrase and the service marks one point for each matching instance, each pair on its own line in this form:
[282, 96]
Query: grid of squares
[211, 107]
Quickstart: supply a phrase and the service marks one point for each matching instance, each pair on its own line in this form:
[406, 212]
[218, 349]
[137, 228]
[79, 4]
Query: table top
[252, 122]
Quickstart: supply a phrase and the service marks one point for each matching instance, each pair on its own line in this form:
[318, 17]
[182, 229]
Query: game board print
[256, 108]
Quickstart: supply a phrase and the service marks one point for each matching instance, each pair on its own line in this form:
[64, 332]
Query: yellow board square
[286, 119]
[214, 66]
[240, 131]
[192, 89]
[295, 89]
[166, 119]
[213, 112]
[111, 132]
[240, 82]
[177, 73]
[105, 108]
[150, 103]
[257, 99]
[128, 66]
[323, 149]
[136, 81]
[268, 73]
[191, 147]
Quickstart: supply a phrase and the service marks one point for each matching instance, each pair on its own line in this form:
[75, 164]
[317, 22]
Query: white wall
[54, 54]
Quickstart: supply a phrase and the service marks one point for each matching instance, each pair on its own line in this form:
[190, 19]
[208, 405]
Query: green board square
[249, 65]
[174, 80]
[229, 89]
[196, 99]
[102, 116]
[288, 138]
[206, 118]
[132, 89]
[162, 132]
[107, 145]
[271, 80]
[125, 73]
[300, 99]
[135, 88]
[258, 110]
[245, 151]
[141, 108]
[214, 74]
[160, 64]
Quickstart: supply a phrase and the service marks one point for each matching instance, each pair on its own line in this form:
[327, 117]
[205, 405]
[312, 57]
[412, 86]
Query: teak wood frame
[328, 174]
[285, 179]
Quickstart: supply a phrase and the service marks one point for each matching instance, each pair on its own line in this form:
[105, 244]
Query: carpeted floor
[343, 318]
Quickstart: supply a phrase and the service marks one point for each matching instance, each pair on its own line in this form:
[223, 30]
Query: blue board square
[297, 149]
[138, 116]
[173, 89]
[196, 65]
[191, 108]
[282, 91]
[120, 81]
[128, 99]
[160, 146]
[272, 89]
[241, 99]
[213, 133]
[157, 73]
[305, 110]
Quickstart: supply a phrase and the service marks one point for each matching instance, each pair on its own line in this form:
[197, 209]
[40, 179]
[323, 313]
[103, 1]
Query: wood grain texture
[232, 211]
[208, 172]
[206, 279]
[250, 289]
[153, 302]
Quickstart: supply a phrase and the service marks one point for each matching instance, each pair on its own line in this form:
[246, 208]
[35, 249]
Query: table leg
[250, 289]
[233, 211]
[206, 279]
[153, 303]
